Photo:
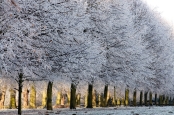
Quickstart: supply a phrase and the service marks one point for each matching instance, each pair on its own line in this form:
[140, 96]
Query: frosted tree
[68, 53]
[152, 29]
[19, 59]
[121, 42]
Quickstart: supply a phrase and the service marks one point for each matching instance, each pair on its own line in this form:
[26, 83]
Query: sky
[164, 7]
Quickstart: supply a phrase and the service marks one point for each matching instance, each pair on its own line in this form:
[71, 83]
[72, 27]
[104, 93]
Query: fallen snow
[166, 110]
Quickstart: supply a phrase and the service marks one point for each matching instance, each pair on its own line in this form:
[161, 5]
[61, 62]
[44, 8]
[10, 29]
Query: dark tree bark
[141, 98]
[105, 95]
[163, 99]
[89, 101]
[167, 101]
[114, 99]
[49, 96]
[73, 97]
[170, 100]
[155, 99]
[160, 100]
[145, 99]
[126, 97]
[19, 93]
[150, 98]
[134, 98]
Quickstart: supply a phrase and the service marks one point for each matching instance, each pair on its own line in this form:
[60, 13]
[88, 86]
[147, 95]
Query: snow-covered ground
[167, 110]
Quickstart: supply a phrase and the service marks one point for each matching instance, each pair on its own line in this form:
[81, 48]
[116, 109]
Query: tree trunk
[49, 96]
[167, 101]
[68, 99]
[44, 99]
[126, 97]
[155, 99]
[173, 101]
[62, 100]
[141, 98]
[94, 99]
[73, 97]
[89, 103]
[114, 98]
[12, 99]
[145, 99]
[160, 100]
[122, 101]
[97, 99]
[78, 99]
[86, 98]
[2, 99]
[170, 100]
[25, 98]
[150, 98]
[163, 99]
[134, 98]
[118, 102]
[105, 95]
[19, 93]
[33, 97]
[101, 100]
[59, 96]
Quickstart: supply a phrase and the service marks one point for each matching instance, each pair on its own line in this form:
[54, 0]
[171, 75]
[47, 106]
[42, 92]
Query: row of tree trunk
[26, 102]
[105, 100]
[162, 100]
[92, 99]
